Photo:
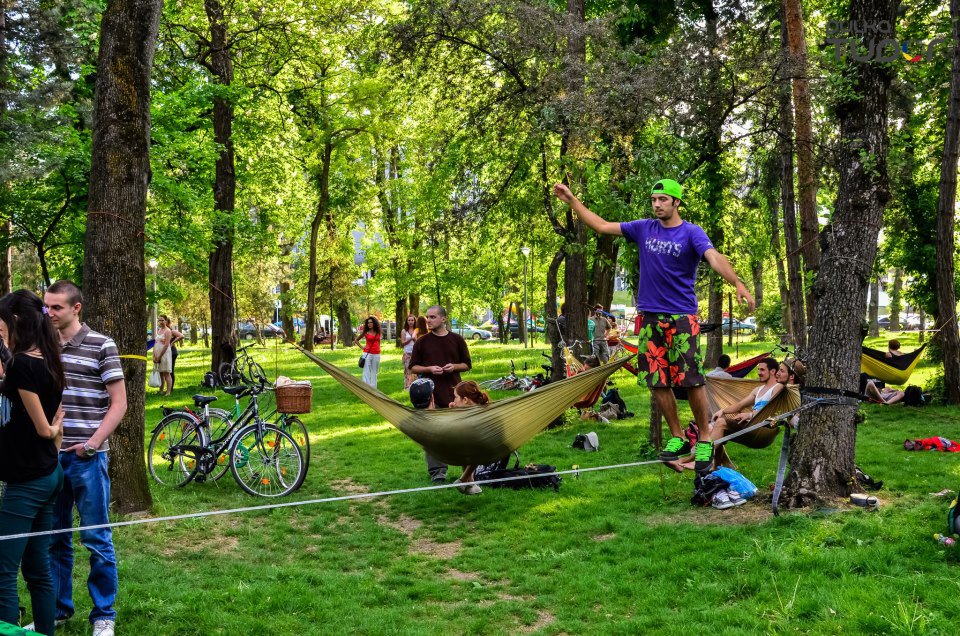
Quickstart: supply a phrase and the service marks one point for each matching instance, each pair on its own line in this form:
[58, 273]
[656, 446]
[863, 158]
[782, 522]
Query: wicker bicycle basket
[294, 398]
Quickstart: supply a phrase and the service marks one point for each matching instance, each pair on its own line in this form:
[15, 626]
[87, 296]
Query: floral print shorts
[669, 351]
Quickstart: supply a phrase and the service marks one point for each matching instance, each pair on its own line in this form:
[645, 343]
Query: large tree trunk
[806, 170]
[550, 313]
[946, 221]
[602, 271]
[822, 458]
[113, 267]
[224, 195]
[773, 202]
[798, 323]
[874, 313]
[756, 273]
[896, 299]
[345, 323]
[322, 213]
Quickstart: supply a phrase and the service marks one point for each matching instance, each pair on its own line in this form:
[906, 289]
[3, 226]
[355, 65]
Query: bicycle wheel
[172, 454]
[266, 462]
[227, 374]
[220, 423]
[255, 374]
[489, 384]
[295, 428]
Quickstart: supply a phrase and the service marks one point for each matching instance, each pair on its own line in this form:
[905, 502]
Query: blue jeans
[86, 485]
[28, 507]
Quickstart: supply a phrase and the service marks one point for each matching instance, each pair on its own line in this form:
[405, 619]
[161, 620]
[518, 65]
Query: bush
[770, 315]
[936, 387]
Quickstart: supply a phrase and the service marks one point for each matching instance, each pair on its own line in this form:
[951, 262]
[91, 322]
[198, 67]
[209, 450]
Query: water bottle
[944, 540]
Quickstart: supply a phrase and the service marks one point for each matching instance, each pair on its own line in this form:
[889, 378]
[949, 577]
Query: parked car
[883, 322]
[515, 329]
[469, 331]
[737, 326]
[248, 331]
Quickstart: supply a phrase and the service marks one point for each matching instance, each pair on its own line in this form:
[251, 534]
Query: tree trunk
[602, 271]
[113, 267]
[414, 301]
[896, 300]
[822, 457]
[874, 307]
[550, 313]
[798, 324]
[346, 323]
[322, 214]
[286, 309]
[806, 170]
[922, 315]
[194, 328]
[6, 253]
[774, 206]
[946, 221]
[224, 194]
[756, 273]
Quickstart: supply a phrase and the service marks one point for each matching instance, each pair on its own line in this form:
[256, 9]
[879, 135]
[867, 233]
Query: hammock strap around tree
[893, 370]
[478, 434]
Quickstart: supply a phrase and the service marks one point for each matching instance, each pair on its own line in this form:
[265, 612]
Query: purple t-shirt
[668, 264]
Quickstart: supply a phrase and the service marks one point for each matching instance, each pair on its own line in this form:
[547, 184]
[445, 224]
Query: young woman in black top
[31, 424]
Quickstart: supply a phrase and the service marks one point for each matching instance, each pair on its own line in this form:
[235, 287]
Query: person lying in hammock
[468, 394]
[733, 418]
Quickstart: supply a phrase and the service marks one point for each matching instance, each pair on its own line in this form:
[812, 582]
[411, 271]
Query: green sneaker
[703, 456]
[675, 449]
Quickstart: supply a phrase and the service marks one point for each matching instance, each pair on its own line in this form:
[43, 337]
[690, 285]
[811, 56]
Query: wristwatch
[88, 450]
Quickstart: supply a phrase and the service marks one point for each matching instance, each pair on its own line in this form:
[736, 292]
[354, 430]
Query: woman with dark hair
[468, 393]
[407, 337]
[31, 425]
[422, 328]
[371, 349]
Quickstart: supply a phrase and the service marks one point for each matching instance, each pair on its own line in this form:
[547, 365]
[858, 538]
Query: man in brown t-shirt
[440, 355]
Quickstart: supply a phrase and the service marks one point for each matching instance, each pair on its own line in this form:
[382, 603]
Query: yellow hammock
[724, 392]
[478, 434]
[895, 370]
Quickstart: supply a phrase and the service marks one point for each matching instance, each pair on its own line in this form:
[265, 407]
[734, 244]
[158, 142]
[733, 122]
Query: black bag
[209, 380]
[533, 472]
[362, 360]
[913, 396]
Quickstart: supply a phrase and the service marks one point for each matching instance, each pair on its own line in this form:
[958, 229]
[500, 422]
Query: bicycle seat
[235, 391]
[203, 400]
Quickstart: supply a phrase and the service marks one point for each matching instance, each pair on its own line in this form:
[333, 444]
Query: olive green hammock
[477, 434]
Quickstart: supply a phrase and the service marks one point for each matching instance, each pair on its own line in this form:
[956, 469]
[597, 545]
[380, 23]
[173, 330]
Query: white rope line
[309, 502]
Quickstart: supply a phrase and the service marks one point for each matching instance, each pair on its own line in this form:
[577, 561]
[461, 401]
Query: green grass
[613, 552]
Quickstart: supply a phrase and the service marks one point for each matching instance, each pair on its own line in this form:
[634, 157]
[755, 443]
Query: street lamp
[526, 254]
[153, 314]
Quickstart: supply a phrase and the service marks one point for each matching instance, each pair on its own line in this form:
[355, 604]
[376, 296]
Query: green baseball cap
[668, 187]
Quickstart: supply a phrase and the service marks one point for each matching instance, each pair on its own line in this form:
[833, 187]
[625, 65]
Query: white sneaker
[103, 627]
[735, 497]
[60, 622]
[469, 488]
[722, 501]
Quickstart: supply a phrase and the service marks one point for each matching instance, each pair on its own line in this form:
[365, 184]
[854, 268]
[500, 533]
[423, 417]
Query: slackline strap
[819, 390]
[781, 470]
[133, 357]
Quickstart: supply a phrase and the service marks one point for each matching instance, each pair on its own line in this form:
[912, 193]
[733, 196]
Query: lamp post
[526, 257]
[153, 312]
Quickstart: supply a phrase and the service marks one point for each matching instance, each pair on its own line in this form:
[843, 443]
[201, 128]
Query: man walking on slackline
[670, 251]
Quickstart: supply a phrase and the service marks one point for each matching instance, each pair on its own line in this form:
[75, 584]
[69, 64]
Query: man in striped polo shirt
[94, 402]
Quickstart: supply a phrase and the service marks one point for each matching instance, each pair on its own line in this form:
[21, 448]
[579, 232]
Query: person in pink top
[371, 349]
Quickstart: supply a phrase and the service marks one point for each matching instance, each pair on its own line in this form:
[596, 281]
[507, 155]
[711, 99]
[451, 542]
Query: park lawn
[613, 552]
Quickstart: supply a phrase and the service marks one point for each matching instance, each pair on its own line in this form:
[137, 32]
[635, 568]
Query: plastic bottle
[944, 539]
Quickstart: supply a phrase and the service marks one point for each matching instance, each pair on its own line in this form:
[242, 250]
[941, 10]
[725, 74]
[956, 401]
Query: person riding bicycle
[670, 250]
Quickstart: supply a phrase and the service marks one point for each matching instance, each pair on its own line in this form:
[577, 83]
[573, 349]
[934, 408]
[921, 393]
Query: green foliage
[770, 315]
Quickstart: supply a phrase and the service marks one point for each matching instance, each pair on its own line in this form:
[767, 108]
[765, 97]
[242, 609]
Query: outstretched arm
[722, 266]
[593, 221]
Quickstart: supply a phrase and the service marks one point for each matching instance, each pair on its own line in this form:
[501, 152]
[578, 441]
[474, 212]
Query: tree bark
[773, 202]
[322, 214]
[550, 313]
[806, 170]
[602, 271]
[946, 222]
[756, 273]
[113, 265]
[874, 312]
[222, 317]
[896, 300]
[346, 323]
[822, 457]
[798, 323]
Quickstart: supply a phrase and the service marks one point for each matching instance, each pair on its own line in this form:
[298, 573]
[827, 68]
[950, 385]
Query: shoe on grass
[722, 501]
[674, 450]
[468, 488]
[703, 457]
[103, 627]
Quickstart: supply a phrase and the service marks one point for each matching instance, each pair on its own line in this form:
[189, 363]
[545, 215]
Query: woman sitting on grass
[468, 394]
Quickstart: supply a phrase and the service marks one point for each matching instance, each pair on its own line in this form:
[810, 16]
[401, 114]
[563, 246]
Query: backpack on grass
[534, 474]
[913, 396]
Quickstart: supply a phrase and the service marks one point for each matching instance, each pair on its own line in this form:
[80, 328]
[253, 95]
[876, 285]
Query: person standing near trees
[601, 329]
[176, 337]
[441, 356]
[407, 337]
[670, 250]
[163, 355]
[31, 425]
[371, 349]
[94, 402]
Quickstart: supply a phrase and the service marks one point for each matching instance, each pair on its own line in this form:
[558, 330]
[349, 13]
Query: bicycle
[264, 460]
[243, 369]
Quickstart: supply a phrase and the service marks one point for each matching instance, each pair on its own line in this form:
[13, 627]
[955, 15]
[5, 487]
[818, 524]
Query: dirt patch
[510, 597]
[604, 537]
[749, 514]
[457, 575]
[349, 487]
[434, 549]
[406, 525]
[544, 619]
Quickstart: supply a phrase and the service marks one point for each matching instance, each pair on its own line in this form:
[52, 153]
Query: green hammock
[477, 434]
